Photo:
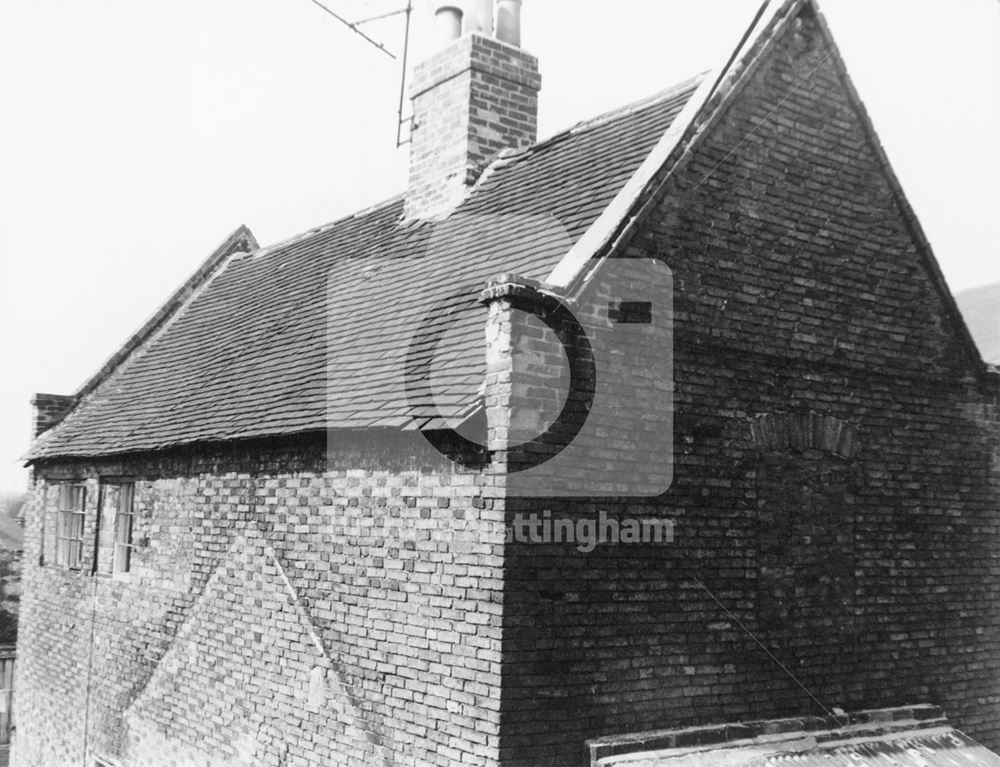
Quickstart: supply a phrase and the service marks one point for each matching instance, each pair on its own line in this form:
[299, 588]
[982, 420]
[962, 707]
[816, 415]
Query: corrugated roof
[320, 331]
[916, 736]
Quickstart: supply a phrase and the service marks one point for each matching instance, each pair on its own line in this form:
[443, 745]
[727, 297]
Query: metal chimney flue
[479, 17]
[448, 19]
[509, 22]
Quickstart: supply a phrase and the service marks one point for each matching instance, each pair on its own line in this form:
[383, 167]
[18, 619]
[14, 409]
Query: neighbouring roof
[915, 736]
[981, 309]
[249, 354]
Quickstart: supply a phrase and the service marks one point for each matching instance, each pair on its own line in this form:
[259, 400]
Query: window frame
[123, 541]
[71, 517]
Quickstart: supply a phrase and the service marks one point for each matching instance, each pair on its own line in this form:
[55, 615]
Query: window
[69, 526]
[6, 695]
[122, 559]
[115, 527]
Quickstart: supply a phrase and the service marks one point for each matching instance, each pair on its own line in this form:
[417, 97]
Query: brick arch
[804, 431]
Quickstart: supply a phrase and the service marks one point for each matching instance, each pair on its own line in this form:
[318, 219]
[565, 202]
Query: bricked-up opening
[472, 100]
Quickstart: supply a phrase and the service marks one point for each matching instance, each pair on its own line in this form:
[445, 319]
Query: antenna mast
[355, 26]
[402, 80]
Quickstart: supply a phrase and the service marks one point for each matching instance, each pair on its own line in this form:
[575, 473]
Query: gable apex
[241, 240]
[705, 111]
[713, 93]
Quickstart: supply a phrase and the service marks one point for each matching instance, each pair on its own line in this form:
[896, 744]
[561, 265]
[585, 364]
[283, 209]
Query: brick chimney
[48, 410]
[471, 100]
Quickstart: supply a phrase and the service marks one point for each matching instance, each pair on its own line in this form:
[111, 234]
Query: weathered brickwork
[871, 571]
[579, 403]
[277, 612]
[472, 100]
[835, 484]
[874, 580]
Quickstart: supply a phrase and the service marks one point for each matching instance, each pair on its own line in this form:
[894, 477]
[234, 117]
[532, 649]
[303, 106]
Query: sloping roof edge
[631, 204]
[241, 240]
[644, 191]
[916, 230]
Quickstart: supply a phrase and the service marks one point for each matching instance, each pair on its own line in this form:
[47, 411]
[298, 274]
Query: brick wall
[583, 388]
[869, 569]
[280, 610]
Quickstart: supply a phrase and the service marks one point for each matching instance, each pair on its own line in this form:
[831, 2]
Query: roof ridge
[505, 157]
[241, 236]
[186, 387]
[635, 106]
[241, 239]
[322, 228]
[508, 156]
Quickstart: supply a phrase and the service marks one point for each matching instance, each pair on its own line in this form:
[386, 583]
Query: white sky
[136, 135]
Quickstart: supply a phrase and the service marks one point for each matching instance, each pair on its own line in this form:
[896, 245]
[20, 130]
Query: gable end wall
[864, 554]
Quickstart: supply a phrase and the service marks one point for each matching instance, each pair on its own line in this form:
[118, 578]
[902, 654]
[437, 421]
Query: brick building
[274, 528]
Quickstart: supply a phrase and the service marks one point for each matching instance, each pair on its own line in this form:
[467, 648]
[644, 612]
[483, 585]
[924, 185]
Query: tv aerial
[355, 26]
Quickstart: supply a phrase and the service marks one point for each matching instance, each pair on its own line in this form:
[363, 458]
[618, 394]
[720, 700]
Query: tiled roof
[250, 355]
[981, 309]
[918, 736]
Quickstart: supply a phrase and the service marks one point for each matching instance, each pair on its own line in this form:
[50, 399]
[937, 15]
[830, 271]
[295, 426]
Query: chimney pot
[449, 22]
[479, 17]
[509, 22]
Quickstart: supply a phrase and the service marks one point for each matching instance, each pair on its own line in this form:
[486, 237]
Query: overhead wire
[354, 28]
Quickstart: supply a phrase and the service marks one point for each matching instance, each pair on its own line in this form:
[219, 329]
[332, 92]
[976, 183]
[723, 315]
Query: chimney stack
[471, 100]
[48, 410]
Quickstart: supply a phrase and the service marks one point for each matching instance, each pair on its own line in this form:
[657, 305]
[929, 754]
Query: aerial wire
[354, 27]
